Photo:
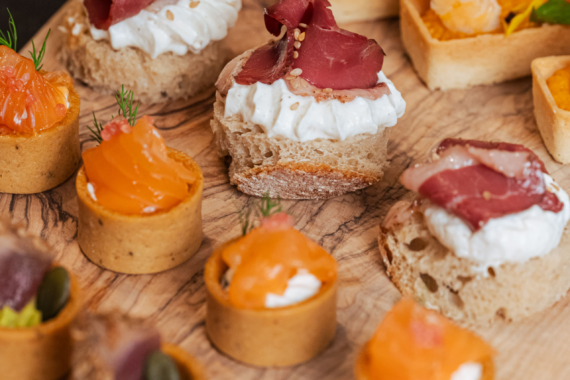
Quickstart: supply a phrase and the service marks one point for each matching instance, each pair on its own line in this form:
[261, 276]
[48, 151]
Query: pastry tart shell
[346, 11]
[188, 367]
[268, 337]
[34, 163]
[553, 122]
[141, 244]
[484, 59]
[42, 352]
[361, 367]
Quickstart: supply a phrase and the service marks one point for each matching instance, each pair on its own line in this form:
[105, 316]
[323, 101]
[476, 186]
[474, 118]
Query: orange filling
[559, 85]
[30, 101]
[415, 343]
[265, 259]
[130, 171]
[440, 32]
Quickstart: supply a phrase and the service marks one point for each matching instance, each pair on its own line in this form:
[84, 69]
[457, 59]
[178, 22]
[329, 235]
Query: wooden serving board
[347, 226]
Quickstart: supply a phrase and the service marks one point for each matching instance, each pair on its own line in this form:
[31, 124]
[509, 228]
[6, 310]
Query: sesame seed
[296, 54]
[295, 83]
[302, 37]
[294, 106]
[194, 4]
[296, 33]
[169, 15]
[297, 45]
[289, 77]
[302, 25]
[486, 195]
[328, 90]
[296, 72]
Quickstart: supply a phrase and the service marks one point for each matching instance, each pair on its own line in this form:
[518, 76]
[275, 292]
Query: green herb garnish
[125, 101]
[38, 57]
[553, 12]
[264, 208]
[9, 39]
[96, 130]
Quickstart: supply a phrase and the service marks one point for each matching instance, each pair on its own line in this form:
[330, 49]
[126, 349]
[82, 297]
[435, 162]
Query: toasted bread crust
[318, 169]
[166, 78]
[439, 279]
[485, 59]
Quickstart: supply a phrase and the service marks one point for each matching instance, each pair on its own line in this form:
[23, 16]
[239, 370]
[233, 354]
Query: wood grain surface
[346, 226]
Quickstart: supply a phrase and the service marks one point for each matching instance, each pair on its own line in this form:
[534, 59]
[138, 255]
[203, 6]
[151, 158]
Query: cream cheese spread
[514, 238]
[302, 118]
[468, 371]
[177, 26]
[300, 287]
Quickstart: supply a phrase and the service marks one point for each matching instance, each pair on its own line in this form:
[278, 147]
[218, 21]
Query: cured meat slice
[478, 181]
[22, 269]
[104, 13]
[328, 57]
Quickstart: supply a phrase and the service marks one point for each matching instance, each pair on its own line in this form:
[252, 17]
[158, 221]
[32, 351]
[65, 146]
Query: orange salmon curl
[264, 260]
[130, 171]
[413, 342]
[30, 101]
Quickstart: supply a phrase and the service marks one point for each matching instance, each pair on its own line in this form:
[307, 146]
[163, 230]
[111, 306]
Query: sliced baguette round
[421, 267]
[317, 169]
[166, 78]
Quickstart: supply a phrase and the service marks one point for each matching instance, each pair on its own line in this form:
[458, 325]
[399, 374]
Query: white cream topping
[176, 26]
[300, 287]
[91, 191]
[512, 238]
[468, 16]
[468, 371]
[273, 108]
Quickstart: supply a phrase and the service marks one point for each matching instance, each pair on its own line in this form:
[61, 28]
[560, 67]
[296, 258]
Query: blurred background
[29, 15]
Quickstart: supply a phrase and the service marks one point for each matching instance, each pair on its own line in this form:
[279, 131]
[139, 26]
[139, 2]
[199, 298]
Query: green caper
[53, 293]
[160, 366]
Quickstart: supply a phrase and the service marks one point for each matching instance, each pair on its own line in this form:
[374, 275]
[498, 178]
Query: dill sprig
[37, 57]
[125, 101]
[10, 39]
[263, 208]
[269, 207]
[96, 130]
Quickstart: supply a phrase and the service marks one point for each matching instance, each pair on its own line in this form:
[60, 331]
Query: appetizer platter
[184, 295]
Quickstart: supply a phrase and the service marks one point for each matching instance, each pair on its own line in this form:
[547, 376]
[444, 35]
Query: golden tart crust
[40, 162]
[42, 352]
[188, 367]
[484, 59]
[268, 337]
[141, 244]
[553, 122]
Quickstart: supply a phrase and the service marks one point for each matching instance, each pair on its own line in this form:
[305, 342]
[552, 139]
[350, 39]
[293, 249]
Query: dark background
[29, 16]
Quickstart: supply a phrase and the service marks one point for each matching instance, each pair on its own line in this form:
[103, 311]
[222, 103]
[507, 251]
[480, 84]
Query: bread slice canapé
[317, 169]
[167, 77]
[420, 266]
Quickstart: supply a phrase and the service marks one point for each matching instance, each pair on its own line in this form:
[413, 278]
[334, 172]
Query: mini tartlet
[307, 116]
[364, 10]
[481, 59]
[39, 349]
[553, 122]
[164, 51]
[487, 215]
[39, 126]
[415, 343]
[140, 203]
[281, 329]
[119, 347]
